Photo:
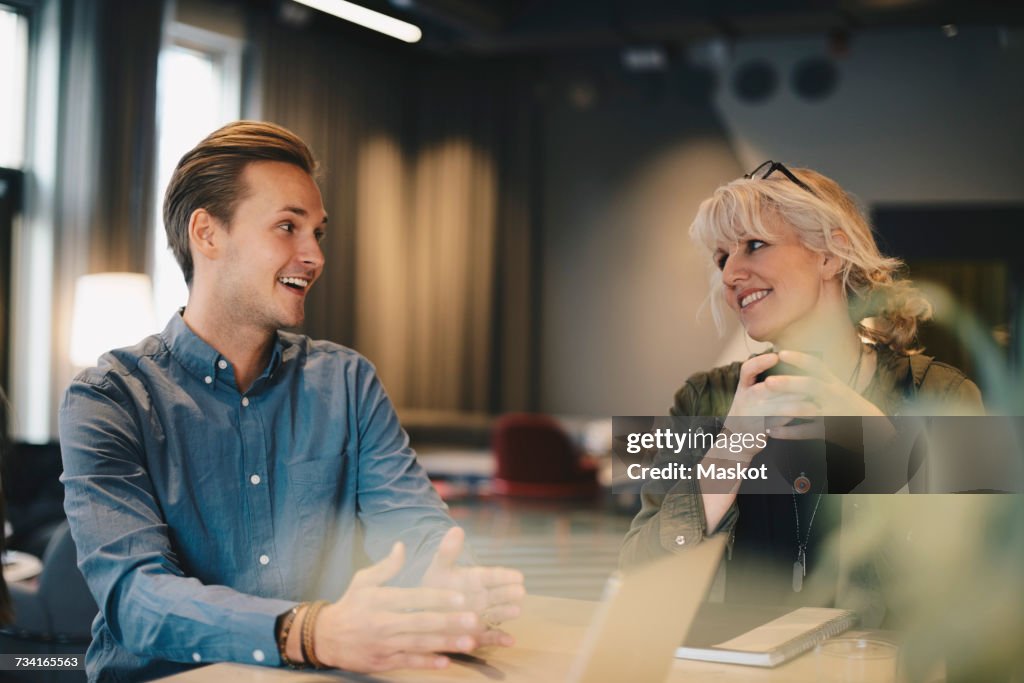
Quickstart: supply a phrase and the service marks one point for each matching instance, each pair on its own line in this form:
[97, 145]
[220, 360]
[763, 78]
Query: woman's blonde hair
[884, 307]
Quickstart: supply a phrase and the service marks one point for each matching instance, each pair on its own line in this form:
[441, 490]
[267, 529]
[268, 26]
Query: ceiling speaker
[755, 81]
[815, 78]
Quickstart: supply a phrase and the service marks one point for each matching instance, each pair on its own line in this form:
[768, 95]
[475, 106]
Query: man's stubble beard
[242, 307]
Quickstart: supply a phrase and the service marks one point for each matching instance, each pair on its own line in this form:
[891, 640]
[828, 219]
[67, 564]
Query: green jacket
[903, 385]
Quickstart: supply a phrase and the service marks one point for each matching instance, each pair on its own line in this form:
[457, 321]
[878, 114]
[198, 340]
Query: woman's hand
[751, 404]
[764, 399]
[754, 404]
[819, 387]
[781, 398]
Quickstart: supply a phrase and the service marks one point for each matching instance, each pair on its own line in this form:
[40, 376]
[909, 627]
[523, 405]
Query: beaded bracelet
[282, 635]
[308, 624]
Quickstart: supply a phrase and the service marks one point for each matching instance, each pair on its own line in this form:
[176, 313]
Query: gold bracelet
[308, 624]
[282, 635]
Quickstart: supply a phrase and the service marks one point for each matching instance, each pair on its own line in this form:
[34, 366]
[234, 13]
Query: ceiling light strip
[396, 28]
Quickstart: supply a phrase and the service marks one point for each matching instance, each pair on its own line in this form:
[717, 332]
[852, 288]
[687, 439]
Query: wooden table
[547, 638]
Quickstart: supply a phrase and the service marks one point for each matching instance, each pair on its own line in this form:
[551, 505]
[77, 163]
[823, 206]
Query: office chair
[536, 459]
[54, 615]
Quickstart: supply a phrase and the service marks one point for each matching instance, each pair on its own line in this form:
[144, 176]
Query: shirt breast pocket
[323, 470]
[314, 478]
[315, 489]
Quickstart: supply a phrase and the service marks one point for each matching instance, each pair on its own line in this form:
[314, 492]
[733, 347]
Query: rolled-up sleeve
[673, 520]
[124, 549]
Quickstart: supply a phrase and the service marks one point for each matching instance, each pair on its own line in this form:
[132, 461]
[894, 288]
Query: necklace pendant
[798, 576]
[802, 484]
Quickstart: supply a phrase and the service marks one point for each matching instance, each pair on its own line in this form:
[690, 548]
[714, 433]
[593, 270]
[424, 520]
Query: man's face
[271, 253]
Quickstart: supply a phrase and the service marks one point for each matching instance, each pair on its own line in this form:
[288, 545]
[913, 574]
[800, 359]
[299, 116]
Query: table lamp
[110, 310]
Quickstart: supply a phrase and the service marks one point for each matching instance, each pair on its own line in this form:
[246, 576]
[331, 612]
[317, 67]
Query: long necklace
[802, 485]
[800, 566]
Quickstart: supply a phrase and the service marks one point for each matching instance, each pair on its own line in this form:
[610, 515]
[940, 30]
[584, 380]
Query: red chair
[536, 459]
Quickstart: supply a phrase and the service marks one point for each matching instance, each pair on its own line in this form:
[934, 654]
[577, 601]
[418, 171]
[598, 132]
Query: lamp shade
[111, 310]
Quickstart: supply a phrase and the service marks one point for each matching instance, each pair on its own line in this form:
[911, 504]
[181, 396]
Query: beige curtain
[425, 285]
[426, 182]
[106, 144]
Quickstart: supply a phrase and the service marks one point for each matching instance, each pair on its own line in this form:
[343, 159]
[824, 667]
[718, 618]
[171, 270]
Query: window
[13, 78]
[199, 89]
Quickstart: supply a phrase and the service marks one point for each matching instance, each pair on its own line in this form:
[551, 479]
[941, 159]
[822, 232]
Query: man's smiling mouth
[299, 284]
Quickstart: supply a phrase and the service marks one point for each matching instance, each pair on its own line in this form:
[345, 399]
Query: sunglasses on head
[769, 167]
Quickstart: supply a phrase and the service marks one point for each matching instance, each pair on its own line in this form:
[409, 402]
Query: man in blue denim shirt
[221, 471]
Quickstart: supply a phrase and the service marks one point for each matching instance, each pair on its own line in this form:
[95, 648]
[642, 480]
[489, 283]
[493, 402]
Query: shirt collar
[204, 361]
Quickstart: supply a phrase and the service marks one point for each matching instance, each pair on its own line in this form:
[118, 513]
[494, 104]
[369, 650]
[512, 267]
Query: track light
[396, 28]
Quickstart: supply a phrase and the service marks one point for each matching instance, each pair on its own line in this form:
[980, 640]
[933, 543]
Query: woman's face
[773, 285]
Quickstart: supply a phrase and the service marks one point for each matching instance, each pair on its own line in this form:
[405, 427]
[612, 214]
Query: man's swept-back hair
[209, 176]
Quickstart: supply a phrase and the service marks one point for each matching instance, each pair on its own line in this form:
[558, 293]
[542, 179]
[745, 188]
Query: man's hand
[376, 628]
[493, 593]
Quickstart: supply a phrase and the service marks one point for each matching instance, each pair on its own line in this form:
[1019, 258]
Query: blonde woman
[795, 260]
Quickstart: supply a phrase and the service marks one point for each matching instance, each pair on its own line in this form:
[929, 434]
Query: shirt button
[258, 655]
[208, 379]
[264, 560]
[255, 479]
[680, 540]
[196, 657]
[222, 364]
[245, 400]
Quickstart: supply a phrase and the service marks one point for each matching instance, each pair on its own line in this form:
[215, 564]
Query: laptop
[644, 616]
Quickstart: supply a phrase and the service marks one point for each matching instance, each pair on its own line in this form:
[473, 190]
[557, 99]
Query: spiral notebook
[760, 635]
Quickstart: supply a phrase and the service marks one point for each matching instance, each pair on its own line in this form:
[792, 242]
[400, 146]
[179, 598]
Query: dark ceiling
[538, 26]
